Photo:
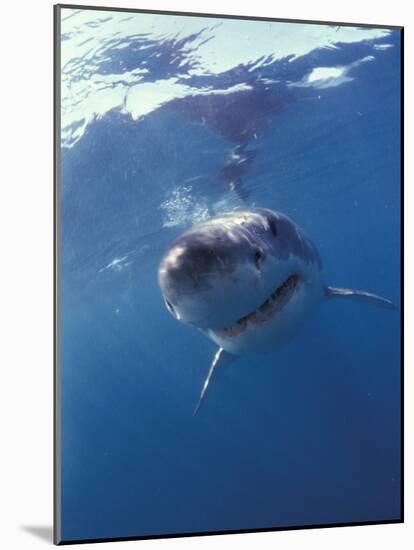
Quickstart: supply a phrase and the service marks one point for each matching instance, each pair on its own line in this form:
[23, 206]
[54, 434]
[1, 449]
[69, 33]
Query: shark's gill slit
[267, 310]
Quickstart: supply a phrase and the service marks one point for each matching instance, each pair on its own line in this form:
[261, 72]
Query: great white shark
[248, 280]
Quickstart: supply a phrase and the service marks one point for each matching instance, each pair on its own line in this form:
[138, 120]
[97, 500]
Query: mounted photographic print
[228, 274]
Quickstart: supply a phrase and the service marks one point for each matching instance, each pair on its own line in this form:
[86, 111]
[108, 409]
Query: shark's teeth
[266, 311]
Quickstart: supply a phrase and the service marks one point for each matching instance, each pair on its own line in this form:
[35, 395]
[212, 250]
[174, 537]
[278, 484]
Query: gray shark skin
[248, 280]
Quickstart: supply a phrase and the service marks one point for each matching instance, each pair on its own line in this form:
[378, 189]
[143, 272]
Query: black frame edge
[228, 16]
[232, 532]
[56, 276]
[402, 276]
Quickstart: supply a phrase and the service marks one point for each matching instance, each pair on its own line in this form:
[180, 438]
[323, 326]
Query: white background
[26, 272]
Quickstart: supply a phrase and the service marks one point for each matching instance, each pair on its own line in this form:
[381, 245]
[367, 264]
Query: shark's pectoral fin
[221, 358]
[360, 295]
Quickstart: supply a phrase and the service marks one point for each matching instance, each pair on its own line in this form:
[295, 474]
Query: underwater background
[165, 122]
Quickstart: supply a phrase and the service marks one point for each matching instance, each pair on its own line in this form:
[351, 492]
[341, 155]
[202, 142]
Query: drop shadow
[44, 532]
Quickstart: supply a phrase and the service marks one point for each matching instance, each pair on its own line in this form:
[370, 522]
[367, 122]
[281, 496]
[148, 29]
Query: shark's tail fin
[221, 357]
[360, 295]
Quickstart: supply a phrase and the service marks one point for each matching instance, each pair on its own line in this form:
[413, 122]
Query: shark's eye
[258, 258]
[272, 226]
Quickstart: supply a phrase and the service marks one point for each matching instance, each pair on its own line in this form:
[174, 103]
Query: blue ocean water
[152, 109]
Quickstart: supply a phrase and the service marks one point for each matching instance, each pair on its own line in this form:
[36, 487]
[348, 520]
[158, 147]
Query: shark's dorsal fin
[360, 295]
[221, 357]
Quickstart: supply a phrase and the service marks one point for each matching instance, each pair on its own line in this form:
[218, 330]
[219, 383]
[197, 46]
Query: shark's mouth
[269, 309]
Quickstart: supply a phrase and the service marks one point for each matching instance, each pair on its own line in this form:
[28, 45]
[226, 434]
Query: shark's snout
[188, 267]
[192, 271]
